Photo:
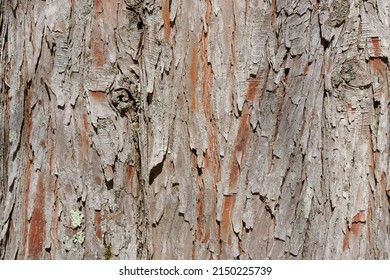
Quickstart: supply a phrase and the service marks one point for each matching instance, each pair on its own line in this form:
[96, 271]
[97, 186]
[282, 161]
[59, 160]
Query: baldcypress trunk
[206, 129]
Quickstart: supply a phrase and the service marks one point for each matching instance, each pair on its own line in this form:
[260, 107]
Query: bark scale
[194, 129]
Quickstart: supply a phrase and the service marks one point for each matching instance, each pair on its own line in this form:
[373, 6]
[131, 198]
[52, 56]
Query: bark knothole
[353, 73]
[125, 97]
[350, 83]
[348, 71]
[121, 100]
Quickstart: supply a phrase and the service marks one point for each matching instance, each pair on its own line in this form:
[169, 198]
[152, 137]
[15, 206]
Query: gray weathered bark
[210, 129]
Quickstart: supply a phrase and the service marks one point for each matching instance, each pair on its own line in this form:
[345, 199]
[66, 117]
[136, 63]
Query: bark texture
[210, 129]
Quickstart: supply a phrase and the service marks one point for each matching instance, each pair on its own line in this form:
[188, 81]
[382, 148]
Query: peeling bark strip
[166, 19]
[194, 129]
[37, 224]
[67, 147]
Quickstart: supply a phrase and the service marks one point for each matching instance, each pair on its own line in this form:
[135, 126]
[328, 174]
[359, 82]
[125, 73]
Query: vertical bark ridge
[194, 129]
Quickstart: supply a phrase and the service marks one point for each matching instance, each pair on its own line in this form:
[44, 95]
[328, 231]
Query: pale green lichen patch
[78, 238]
[13, 135]
[77, 218]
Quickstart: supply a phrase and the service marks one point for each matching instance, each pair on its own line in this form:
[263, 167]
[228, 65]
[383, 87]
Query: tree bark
[211, 129]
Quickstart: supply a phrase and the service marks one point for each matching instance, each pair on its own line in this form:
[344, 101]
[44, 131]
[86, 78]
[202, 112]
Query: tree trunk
[208, 129]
